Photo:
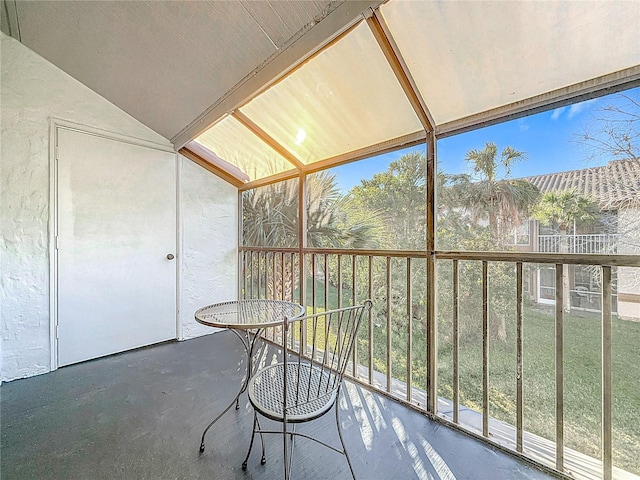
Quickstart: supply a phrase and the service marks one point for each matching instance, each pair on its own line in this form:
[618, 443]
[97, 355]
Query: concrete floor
[140, 414]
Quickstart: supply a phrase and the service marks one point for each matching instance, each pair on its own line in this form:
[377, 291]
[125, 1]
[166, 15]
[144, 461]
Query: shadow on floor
[140, 414]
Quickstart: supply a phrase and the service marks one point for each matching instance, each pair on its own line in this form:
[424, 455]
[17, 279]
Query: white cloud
[522, 125]
[557, 112]
[579, 107]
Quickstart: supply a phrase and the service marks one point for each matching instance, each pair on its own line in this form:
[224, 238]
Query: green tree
[560, 211]
[270, 218]
[399, 195]
[488, 193]
[477, 211]
[270, 215]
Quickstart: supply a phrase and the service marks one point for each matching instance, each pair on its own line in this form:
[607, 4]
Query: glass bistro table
[247, 319]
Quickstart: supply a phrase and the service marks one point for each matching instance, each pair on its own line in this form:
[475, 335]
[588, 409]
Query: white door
[116, 221]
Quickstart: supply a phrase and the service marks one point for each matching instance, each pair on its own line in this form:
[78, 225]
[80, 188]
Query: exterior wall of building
[587, 297]
[33, 92]
[629, 278]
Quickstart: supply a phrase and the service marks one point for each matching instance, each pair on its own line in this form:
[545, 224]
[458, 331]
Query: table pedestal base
[249, 345]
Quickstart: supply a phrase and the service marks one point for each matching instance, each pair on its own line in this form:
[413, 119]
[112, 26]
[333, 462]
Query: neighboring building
[615, 188]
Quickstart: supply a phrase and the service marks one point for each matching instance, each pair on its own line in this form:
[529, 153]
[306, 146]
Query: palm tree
[270, 218]
[560, 211]
[270, 215]
[489, 194]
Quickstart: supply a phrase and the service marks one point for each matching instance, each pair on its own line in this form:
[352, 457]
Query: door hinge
[57, 331]
[56, 242]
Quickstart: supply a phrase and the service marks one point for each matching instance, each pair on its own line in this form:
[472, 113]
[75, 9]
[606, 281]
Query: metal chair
[304, 387]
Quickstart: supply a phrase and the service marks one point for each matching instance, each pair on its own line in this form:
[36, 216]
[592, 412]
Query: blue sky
[549, 139]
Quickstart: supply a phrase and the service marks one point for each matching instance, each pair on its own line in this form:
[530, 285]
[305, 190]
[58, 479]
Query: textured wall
[33, 91]
[209, 215]
[629, 278]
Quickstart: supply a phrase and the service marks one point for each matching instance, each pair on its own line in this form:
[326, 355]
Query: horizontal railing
[606, 243]
[391, 352]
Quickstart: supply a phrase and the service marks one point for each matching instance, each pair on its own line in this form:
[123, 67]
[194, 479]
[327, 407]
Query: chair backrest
[325, 341]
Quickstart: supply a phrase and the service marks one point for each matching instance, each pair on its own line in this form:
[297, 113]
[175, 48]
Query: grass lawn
[582, 381]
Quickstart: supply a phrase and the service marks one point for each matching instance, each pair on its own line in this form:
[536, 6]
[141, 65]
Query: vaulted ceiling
[262, 88]
[163, 62]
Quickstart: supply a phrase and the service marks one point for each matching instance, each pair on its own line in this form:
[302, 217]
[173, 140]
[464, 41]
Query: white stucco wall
[209, 219]
[32, 91]
[629, 278]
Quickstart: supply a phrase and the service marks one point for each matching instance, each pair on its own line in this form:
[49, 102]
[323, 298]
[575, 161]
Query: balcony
[604, 243]
[272, 92]
[148, 414]
[527, 389]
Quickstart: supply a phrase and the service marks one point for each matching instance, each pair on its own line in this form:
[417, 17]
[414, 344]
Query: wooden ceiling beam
[223, 174]
[382, 34]
[268, 139]
[404, 141]
[299, 49]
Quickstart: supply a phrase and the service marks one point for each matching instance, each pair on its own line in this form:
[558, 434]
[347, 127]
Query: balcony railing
[605, 243]
[398, 356]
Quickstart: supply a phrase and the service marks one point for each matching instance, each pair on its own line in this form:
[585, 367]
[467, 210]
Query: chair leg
[263, 459]
[344, 449]
[285, 456]
[292, 445]
[253, 435]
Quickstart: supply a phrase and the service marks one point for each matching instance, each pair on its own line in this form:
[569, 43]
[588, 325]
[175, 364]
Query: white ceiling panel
[163, 62]
[344, 99]
[232, 142]
[469, 57]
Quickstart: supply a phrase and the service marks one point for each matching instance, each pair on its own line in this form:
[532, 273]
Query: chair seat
[309, 393]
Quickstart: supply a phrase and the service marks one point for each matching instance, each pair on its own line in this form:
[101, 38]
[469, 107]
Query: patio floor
[140, 414]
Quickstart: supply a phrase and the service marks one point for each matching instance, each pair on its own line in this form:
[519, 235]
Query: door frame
[55, 124]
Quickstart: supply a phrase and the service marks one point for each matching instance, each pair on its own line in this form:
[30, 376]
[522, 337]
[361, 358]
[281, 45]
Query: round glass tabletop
[248, 314]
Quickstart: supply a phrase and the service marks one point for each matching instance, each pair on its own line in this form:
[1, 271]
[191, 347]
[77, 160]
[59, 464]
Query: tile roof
[614, 185]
